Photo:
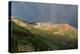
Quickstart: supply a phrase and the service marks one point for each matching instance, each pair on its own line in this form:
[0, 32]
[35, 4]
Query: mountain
[27, 37]
[60, 28]
[44, 26]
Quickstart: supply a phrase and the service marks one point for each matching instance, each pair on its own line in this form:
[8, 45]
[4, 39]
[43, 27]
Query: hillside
[27, 37]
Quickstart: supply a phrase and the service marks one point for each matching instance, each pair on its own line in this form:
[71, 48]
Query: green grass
[40, 40]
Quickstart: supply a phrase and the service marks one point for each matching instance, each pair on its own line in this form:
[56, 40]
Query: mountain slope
[26, 37]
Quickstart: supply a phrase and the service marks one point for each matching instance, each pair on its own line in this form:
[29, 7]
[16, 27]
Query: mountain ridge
[44, 26]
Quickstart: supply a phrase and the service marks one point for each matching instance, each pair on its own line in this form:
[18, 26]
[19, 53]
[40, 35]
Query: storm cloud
[45, 12]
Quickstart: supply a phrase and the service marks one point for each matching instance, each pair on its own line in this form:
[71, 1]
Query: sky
[45, 12]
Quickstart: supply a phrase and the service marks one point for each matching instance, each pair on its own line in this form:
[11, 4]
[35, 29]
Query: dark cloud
[53, 13]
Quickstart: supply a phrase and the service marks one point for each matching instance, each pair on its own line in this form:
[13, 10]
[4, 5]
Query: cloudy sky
[40, 12]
